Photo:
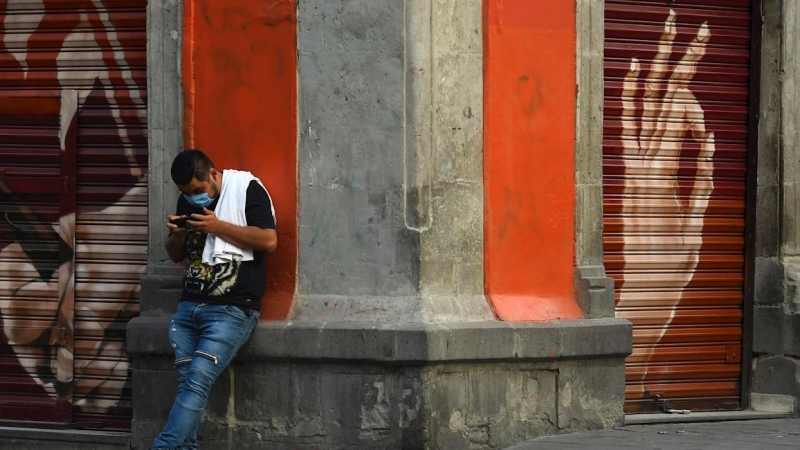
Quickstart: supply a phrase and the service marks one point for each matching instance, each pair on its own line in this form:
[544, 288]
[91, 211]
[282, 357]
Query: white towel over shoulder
[230, 208]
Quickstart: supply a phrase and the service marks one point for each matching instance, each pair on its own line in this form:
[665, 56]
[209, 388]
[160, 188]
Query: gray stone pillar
[594, 289]
[153, 380]
[776, 316]
[161, 283]
[164, 116]
[391, 161]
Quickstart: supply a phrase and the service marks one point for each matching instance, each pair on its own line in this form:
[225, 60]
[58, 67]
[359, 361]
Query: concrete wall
[776, 319]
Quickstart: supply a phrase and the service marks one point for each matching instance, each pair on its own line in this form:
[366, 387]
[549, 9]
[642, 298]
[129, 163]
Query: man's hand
[174, 229]
[243, 236]
[208, 222]
[175, 241]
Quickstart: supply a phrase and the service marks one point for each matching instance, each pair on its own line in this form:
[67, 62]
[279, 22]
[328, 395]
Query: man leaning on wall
[223, 228]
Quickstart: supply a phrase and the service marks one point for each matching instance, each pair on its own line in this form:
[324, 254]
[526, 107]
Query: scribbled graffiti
[89, 258]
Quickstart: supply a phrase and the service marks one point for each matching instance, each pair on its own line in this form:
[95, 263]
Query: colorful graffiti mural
[71, 263]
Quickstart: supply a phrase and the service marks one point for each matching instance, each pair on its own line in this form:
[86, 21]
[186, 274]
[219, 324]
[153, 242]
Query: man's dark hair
[190, 164]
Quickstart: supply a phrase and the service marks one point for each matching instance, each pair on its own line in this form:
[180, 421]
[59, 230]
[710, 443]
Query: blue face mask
[199, 200]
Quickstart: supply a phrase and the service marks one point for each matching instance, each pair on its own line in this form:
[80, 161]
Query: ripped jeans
[205, 338]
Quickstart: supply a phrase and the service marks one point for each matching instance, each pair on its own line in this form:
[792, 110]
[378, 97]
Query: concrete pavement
[774, 434]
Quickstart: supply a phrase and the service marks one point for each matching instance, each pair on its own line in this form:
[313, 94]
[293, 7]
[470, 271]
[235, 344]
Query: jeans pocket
[236, 312]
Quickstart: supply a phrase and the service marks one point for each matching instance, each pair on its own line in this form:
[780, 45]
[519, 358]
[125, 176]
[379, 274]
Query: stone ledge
[413, 342]
[772, 403]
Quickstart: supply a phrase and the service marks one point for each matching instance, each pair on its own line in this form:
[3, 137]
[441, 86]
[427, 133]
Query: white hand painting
[652, 148]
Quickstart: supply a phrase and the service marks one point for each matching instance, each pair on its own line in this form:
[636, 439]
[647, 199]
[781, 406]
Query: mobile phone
[180, 222]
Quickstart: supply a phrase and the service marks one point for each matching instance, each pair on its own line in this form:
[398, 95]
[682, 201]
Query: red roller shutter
[98, 50]
[674, 166]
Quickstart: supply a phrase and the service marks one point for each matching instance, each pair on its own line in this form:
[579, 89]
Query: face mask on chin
[199, 200]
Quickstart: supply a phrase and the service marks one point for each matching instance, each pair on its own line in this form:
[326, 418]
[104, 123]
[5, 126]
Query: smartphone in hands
[180, 222]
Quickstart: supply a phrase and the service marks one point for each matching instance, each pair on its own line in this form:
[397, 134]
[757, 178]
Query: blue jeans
[205, 338]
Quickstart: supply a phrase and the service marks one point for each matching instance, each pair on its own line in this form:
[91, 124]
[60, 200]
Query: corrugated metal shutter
[99, 49]
[37, 199]
[675, 144]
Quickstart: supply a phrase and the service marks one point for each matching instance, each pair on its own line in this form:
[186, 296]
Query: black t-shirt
[235, 283]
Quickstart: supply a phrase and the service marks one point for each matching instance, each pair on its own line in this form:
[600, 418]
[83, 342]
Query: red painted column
[240, 93]
[530, 92]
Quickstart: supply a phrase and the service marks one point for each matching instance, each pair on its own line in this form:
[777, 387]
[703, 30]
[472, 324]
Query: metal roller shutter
[674, 165]
[98, 49]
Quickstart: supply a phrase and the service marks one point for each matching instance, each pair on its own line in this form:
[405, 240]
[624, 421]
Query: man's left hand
[207, 222]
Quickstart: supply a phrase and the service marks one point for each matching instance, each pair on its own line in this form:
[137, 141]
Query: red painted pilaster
[530, 92]
[240, 93]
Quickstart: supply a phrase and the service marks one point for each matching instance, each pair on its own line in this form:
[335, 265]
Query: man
[219, 306]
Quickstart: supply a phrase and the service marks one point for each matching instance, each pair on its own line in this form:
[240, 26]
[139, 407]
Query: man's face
[210, 186]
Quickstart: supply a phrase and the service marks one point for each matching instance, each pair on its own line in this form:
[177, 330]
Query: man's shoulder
[256, 191]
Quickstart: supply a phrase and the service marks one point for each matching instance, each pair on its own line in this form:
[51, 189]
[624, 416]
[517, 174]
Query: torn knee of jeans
[183, 361]
[207, 356]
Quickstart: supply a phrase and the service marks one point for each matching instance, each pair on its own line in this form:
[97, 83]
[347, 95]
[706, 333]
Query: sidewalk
[775, 434]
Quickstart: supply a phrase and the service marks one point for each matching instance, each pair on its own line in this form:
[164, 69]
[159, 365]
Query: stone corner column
[165, 130]
[390, 157]
[594, 289]
[153, 380]
[776, 269]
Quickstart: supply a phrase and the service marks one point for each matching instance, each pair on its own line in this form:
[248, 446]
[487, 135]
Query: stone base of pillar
[409, 386]
[595, 291]
[405, 309]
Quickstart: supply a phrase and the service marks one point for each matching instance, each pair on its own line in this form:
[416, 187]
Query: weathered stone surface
[160, 290]
[769, 281]
[768, 329]
[591, 394]
[497, 341]
[794, 330]
[398, 386]
[390, 162]
[768, 217]
[153, 392]
[772, 403]
[776, 375]
[449, 162]
[164, 117]
[589, 223]
[352, 236]
[595, 291]
[589, 135]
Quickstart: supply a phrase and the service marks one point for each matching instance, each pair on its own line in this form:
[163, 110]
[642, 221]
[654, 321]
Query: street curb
[713, 416]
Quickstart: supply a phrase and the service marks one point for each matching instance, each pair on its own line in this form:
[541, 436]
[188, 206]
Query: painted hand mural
[653, 137]
[96, 48]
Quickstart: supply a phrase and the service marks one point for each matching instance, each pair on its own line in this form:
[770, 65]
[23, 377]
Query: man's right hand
[174, 229]
[175, 241]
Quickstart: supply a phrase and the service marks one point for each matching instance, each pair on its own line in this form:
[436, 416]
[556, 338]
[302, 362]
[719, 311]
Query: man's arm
[250, 237]
[175, 242]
